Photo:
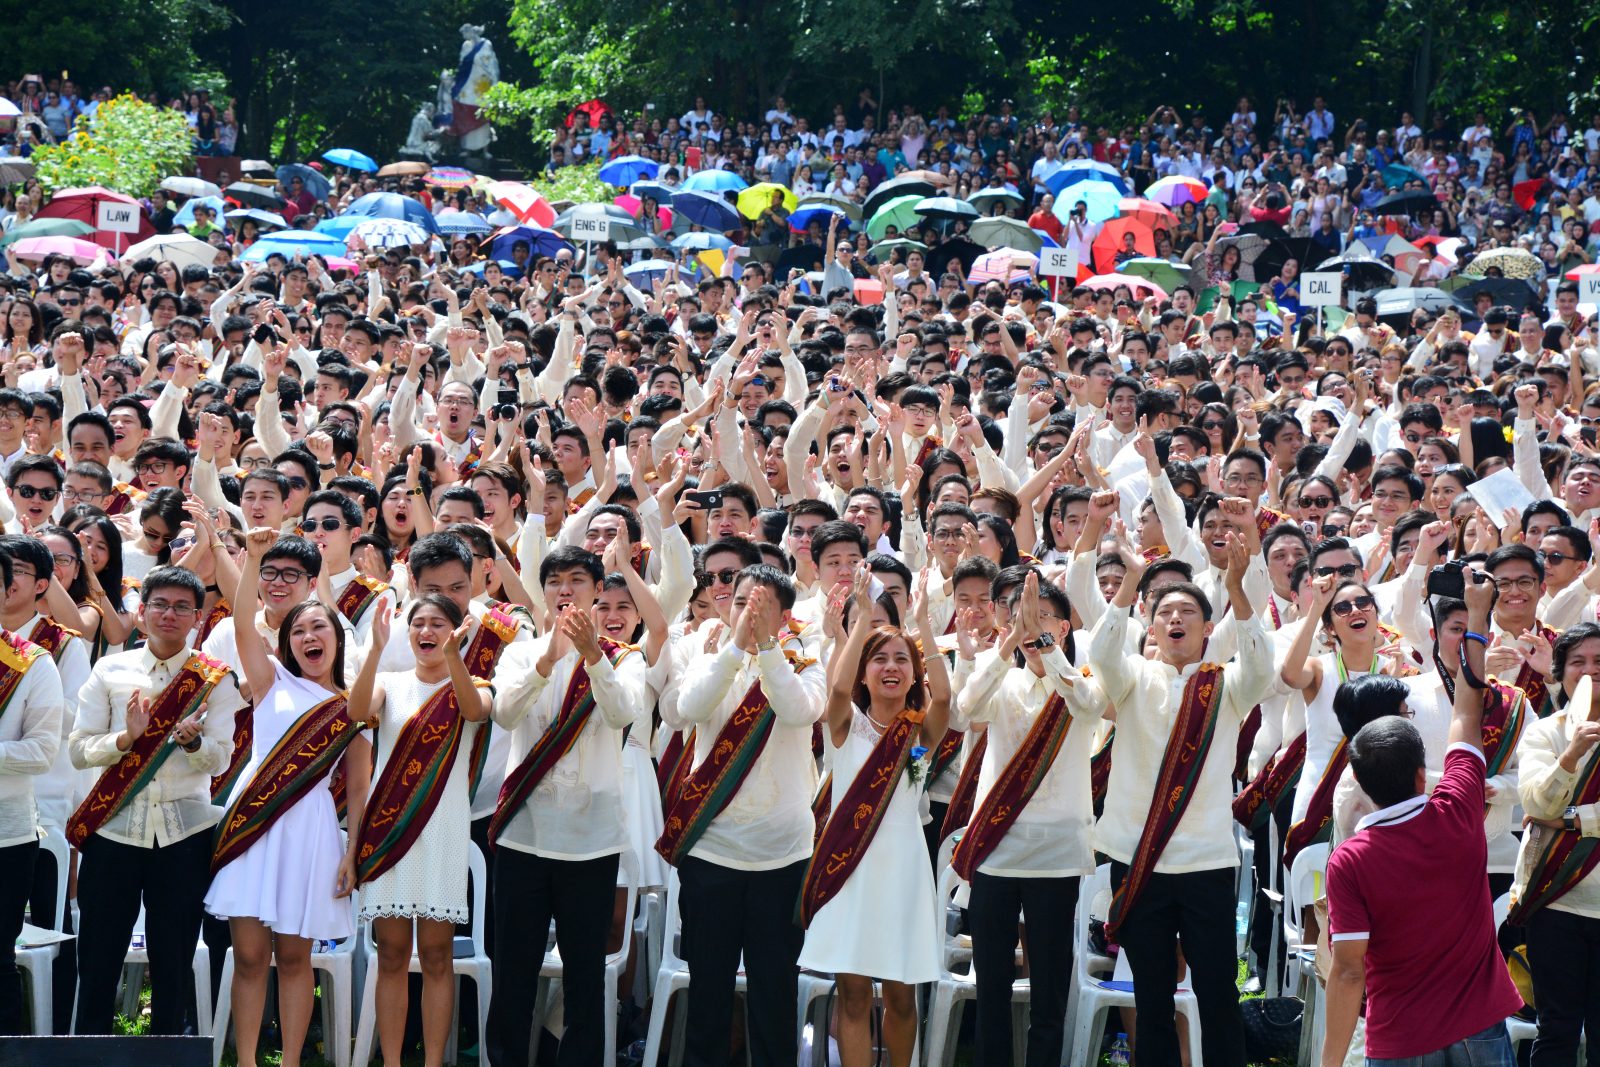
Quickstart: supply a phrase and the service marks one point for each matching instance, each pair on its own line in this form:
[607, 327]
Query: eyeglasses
[1212, 424]
[1558, 558]
[455, 402]
[327, 525]
[949, 533]
[166, 607]
[722, 577]
[1355, 604]
[1316, 501]
[1525, 583]
[28, 492]
[1343, 570]
[255, 464]
[297, 483]
[12, 413]
[1244, 479]
[286, 575]
[154, 467]
[65, 559]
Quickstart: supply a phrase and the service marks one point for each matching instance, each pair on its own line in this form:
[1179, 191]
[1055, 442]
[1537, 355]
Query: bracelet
[325, 466]
[213, 589]
[415, 492]
[1480, 638]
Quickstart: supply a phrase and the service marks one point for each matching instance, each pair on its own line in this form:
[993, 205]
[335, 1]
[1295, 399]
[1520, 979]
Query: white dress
[286, 878]
[883, 922]
[430, 880]
[641, 804]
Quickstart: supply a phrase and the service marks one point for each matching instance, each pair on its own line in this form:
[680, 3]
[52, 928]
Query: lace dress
[430, 880]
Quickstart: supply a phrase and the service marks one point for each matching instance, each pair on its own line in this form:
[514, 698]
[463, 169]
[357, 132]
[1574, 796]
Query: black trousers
[727, 912]
[1564, 956]
[17, 861]
[113, 880]
[930, 832]
[1047, 906]
[580, 896]
[1264, 925]
[42, 902]
[1198, 908]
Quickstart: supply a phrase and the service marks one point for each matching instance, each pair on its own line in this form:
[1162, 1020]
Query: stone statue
[423, 140]
[478, 69]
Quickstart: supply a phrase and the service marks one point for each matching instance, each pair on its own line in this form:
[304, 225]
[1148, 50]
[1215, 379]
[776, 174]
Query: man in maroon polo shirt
[1425, 955]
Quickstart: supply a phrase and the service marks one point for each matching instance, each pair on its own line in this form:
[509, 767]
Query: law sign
[591, 229]
[115, 217]
[1058, 263]
[1320, 289]
[1589, 288]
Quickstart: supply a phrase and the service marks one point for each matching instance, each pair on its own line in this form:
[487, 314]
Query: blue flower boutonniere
[917, 767]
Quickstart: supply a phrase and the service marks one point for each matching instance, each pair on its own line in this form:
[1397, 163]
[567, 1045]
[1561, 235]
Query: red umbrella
[1155, 215]
[595, 109]
[1577, 272]
[84, 205]
[1111, 242]
[1525, 193]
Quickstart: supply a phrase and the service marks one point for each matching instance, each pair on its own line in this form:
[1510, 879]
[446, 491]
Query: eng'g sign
[1321, 289]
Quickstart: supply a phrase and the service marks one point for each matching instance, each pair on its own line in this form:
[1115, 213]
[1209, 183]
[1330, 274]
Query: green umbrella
[1007, 233]
[884, 249]
[899, 213]
[47, 228]
[1208, 297]
[1167, 275]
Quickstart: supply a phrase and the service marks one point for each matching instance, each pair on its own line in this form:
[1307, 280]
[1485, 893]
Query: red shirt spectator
[1046, 221]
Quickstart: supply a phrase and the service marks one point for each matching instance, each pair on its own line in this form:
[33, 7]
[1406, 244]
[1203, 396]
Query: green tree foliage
[143, 45]
[126, 145]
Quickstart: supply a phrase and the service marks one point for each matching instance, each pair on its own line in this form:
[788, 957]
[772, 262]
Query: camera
[1450, 579]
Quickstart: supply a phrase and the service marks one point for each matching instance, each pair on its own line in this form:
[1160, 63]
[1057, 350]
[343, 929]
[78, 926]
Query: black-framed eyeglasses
[287, 575]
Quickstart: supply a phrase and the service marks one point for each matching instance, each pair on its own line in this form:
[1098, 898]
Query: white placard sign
[1589, 289]
[1321, 289]
[591, 229]
[117, 218]
[1058, 263]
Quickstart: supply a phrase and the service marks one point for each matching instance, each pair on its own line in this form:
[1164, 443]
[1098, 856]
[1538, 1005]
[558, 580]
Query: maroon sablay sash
[856, 816]
[705, 792]
[556, 741]
[1018, 781]
[1562, 858]
[303, 757]
[1505, 715]
[1531, 682]
[219, 611]
[17, 655]
[497, 630]
[1257, 801]
[137, 768]
[1100, 768]
[671, 769]
[52, 636]
[1247, 740]
[965, 795]
[359, 595]
[239, 757]
[1317, 823]
[945, 753]
[1181, 764]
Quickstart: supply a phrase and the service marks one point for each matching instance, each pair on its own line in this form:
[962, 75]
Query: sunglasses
[1343, 571]
[327, 525]
[722, 577]
[297, 483]
[28, 492]
[1558, 558]
[1316, 501]
[1355, 604]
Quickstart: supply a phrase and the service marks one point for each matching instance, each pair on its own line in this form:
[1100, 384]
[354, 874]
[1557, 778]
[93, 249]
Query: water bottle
[1119, 1051]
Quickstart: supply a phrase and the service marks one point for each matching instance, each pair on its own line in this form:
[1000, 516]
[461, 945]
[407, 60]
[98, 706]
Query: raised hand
[257, 541]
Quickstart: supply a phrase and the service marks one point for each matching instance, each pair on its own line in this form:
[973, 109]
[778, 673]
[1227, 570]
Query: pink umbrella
[633, 205]
[1154, 215]
[1577, 272]
[1003, 265]
[84, 253]
[1133, 282]
[1176, 190]
[342, 263]
[523, 202]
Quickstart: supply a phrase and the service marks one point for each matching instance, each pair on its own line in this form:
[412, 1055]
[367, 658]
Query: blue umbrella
[1046, 239]
[185, 215]
[707, 209]
[715, 181]
[349, 157]
[1086, 170]
[661, 194]
[291, 243]
[651, 269]
[802, 217]
[339, 226]
[701, 241]
[393, 206]
[625, 170]
[508, 266]
[541, 242]
[315, 183]
[458, 223]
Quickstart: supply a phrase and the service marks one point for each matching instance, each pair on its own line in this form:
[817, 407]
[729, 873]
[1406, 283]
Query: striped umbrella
[451, 177]
[1175, 190]
[388, 233]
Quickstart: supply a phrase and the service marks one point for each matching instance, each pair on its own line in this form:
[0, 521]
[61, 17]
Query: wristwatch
[1569, 818]
[1044, 641]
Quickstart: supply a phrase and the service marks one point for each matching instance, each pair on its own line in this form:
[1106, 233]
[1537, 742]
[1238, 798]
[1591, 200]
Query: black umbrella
[1408, 202]
[1279, 251]
[892, 188]
[1362, 272]
[1400, 303]
[247, 194]
[806, 257]
[1513, 293]
[1270, 230]
[959, 249]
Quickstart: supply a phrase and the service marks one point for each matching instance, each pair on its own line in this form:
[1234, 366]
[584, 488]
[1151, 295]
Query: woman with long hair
[888, 706]
[115, 596]
[281, 865]
[161, 516]
[24, 327]
[101, 622]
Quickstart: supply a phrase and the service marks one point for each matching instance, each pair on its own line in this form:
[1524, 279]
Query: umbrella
[339, 226]
[190, 186]
[648, 243]
[625, 170]
[1525, 194]
[1577, 273]
[46, 228]
[998, 232]
[1409, 202]
[849, 207]
[806, 214]
[316, 184]
[754, 200]
[14, 171]
[291, 243]
[338, 263]
[1175, 190]
[959, 251]
[883, 250]
[388, 233]
[1251, 248]
[1363, 271]
[349, 157]
[595, 109]
[84, 253]
[945, 208]
[1402, 302]
[1002, 265]
[255, 166]
[457, 223]
[1111, 241]
[707, 209]
[701, 241]
[635, 207]
[523, 202]
[802, 257]
[1512, 262]
[265, 218]
[623, 226]
[1099, 198]
[508, 266]
[541, 242]
[1154, 215]
[8, 110]
[1134, 282]
[1513, 293]
[83, 204]
[1396, 175]
[648, 271]
[393, 206]
[714, 181]
[893, 189]
[1163, 273]
[661, 194]
[1407, 257]
[901, 213]
[1086, 170]
[409, 168]
[181, 248]
[185, 215]
[451, 177]
[986, 200]
[248, 194]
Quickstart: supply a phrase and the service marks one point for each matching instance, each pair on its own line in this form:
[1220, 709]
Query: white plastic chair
[475, 966]
[616, 962]
[137, 961]
[336, 1003]
[40, 963]
[1095, 998]
[1246, 884]
[1304, 886]
[954, 987]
